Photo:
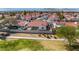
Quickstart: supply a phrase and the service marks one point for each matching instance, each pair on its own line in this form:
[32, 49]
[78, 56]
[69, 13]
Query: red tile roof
[28, 17]
[71, 24]
[37, 23]
[21, 23]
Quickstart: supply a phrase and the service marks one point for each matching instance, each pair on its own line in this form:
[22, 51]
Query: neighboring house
[37, 15]
[28, 18]
[18, 16]
[45, 17]
[53, 18]
[58, 24]
[33, 15]
[21, 23]
[37, 25]
[73, 24]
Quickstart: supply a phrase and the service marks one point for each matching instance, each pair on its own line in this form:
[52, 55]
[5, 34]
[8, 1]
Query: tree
[24, 12]
[77, 32]
[61, 16]
[3, 17]
[68, 33]
[8, 21]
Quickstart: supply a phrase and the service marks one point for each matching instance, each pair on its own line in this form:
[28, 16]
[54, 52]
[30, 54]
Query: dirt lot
[54, 45]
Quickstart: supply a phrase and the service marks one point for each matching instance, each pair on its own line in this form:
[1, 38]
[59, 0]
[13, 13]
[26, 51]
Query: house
[45, 17]
[53, 17]
[58, 24]
[37, 15]
[28, 18]
[21, 23]
[73, 24]
[37, 25]
[18, 16]
[33, 15]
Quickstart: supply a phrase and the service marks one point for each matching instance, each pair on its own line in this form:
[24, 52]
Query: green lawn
[31, 45]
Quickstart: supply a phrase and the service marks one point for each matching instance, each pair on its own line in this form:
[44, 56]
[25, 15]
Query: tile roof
[37, 23]
[74, 24]
[28, 17]
[21, 23]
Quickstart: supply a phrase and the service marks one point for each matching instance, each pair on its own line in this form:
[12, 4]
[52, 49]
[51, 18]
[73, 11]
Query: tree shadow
[73, 47]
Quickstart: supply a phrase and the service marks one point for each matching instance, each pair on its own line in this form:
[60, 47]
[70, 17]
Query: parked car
[13, 27]
[4, 34]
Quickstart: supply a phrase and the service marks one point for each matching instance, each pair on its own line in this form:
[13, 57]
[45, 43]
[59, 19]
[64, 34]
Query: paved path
[17, 37]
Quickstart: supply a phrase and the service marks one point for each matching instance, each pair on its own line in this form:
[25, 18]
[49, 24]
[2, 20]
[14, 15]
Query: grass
[31, 45]
[14, 45]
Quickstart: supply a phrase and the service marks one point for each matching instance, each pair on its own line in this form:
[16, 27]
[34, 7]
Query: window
[34, 28]
[42, 27]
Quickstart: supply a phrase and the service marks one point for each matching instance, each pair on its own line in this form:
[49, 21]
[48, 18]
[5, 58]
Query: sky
[39, 9]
